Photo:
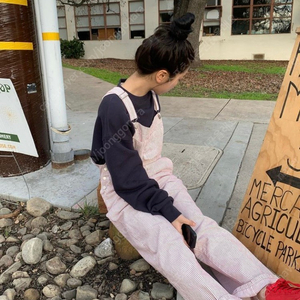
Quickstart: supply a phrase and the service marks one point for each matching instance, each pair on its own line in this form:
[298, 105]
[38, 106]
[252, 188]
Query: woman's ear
[162, 76]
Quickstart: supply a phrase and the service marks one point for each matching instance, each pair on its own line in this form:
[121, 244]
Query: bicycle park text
[270, 220]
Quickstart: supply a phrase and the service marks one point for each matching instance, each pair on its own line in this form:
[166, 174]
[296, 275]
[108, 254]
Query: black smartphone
[189, 235]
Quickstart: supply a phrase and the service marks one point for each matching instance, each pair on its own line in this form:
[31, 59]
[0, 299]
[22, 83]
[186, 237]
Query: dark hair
[167, 49]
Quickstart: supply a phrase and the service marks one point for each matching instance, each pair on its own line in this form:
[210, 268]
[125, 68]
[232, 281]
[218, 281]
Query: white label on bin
[15, 135]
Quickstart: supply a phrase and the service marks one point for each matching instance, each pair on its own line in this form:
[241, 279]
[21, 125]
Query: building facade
[232, 29]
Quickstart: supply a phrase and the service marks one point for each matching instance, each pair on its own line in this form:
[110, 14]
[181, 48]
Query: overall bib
[162, 246]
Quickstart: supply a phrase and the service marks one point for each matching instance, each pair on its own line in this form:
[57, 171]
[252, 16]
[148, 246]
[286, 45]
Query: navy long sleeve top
[129, 177]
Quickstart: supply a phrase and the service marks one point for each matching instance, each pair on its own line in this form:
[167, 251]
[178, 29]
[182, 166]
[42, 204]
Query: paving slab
[255, 111]
[244, 175]
[218, 189]
[192, 164]
[187, 107]
[82, 124]
[202, 132]
[170, 122]
[83, 92]
[194, 193]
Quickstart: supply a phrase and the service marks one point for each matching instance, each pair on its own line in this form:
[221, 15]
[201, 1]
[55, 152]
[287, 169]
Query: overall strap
[126, 100]
[156, 105]
[128, 103]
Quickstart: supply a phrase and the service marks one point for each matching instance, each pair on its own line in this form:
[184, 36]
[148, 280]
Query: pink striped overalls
[160, 244]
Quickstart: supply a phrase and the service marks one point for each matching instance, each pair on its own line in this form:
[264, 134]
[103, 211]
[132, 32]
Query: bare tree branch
[73, 2]
[80, 2]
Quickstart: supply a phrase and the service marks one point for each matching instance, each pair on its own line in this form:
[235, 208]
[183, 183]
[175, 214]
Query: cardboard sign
[269, 220]
[15, 135]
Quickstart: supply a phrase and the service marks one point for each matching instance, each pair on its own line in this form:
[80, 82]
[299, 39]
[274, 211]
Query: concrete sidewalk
[215, 140]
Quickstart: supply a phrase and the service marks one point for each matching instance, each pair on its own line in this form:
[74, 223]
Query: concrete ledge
[63, 188]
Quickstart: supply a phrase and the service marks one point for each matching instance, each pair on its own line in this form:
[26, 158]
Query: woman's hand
[177, 223]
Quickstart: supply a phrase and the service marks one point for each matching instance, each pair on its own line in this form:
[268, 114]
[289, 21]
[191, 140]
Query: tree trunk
[197, 8]
[180, 8]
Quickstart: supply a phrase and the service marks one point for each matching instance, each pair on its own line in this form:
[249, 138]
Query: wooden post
[269, 219]
[101, 204]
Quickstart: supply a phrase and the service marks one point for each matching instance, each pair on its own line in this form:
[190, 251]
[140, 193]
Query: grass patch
[181, 91]
[109, 76]
[258, 68]
[208, 93]
[89, 211]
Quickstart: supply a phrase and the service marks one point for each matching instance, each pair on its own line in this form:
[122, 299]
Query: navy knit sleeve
[129, 177]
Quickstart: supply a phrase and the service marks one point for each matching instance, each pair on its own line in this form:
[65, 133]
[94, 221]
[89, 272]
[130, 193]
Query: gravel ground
[41, 250]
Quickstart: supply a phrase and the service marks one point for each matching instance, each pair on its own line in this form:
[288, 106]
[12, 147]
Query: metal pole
[62, 155]
[43, 64]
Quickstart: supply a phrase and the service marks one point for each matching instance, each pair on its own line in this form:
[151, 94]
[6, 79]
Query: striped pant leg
[162, 246]
[239, 271]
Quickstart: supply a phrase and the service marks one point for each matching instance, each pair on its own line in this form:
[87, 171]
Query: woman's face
[169, 85]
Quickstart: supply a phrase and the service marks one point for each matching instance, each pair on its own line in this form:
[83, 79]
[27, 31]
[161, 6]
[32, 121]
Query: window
[261, 16]
[136, 19]
[212, 17]
[61, 14]
[166, 9]
[98, 21]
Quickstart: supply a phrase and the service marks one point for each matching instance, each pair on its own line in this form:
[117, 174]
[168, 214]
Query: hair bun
[182, 27]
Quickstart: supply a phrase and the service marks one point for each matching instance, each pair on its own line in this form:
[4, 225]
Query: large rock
[127, 286]
[121, 297]
[75, 234]
[5, 211]
[31, 294]
[160, 290]
[105, 249]
[140, 265]
[6, 275]
[61, 280]
[32, 251]
[74, 283]
[94, 238]
[86, 292]
[68, 215]
[10, 294]
[6, 261]
[12, 251]
[5, 223]
[66, 226]
[69, 295]
[82, 267]
[43, 279]
[55, 266]
[2, 239]
[144, 296]
[123, 248]
[51, 290]
[21, 284]
[138, 295]
[38, 207]
[19, 274]
[39, 222]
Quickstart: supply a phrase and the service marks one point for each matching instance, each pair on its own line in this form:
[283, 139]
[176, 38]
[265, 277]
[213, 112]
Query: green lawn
[208, 93]
[112, 77]
[248, 68]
